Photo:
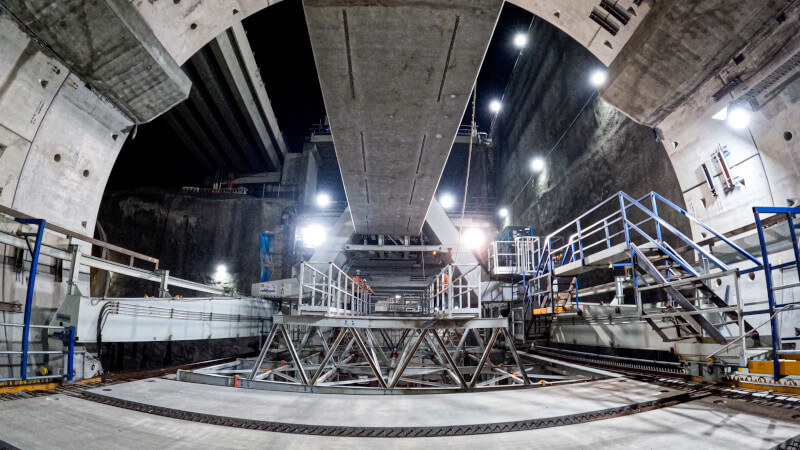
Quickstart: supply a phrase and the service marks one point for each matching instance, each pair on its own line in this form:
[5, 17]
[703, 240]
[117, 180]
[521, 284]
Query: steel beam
[328, 355]
[372, 364]
[515, 355]
[404, 361]
[376, 322]
[487, 350]
[264, 350]
[454, 368]
[392, 248]
[293, 353]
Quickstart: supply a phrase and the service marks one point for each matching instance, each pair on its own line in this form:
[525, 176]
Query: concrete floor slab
[387, 411]
[69, 422]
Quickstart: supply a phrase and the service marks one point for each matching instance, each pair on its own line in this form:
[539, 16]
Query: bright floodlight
[738, 118]
[323, 200]
[221, 269]
[520, 40]
[537, 165]
[598, 78]
[494, 106]
[503, 213]
[397, 296]
[473, 238]
[447, 201]
[721, 115]
[313, 235]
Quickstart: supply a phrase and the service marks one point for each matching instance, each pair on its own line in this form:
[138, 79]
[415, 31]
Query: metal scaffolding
[362, 354]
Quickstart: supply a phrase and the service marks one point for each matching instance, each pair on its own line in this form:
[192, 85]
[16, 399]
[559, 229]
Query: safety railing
[328, 290]
[622, 219]
[529, 252]
[455, 297]
[503, 258]
[67, 336]
[514, 257]
[727, 319]
[612, 227]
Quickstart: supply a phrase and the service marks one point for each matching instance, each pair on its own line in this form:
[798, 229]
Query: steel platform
[378, 322]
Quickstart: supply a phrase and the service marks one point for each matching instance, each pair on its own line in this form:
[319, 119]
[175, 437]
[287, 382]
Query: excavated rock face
[192, 233]
[603, 152]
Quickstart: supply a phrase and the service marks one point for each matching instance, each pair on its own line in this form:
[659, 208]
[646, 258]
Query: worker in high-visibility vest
[360, 284]
[357, 282]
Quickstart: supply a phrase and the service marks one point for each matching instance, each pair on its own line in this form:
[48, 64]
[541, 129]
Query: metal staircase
[687, 291]
[678, 286]
[658, 268]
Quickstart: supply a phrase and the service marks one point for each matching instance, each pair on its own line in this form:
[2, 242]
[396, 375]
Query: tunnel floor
[131, 415]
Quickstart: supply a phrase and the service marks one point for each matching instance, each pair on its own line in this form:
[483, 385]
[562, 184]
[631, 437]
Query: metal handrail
[334, 291]
[442, 292]
[601, 224]
[69, 351]
[575, 246]
[697, 221]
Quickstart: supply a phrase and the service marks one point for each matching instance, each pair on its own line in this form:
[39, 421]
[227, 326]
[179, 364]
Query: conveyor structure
[66, 343]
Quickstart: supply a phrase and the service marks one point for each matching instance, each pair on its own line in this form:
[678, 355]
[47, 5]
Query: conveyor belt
[397, 432]
[789, 444]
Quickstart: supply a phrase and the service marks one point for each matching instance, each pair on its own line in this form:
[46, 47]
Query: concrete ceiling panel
[396, 78]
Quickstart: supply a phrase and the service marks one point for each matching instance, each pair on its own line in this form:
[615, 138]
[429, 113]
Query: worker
[357, 281]
[442, 283]
[359, 284]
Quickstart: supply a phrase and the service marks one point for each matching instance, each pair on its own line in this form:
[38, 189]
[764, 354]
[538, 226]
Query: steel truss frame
[376, 354]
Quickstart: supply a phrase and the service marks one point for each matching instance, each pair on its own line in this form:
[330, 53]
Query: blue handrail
[69, 332]
[705, 227]
[768, 268]
[26, 331]
[575, 248]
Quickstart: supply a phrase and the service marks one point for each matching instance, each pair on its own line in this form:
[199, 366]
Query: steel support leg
[484, 357]
[515, 355]
[328, 355]
[264, 350]
[407, 359]
[372, 364]
[293, 352]
[454, 368]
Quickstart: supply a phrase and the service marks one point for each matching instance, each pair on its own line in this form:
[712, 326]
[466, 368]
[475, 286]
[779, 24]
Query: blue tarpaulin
[267, 241]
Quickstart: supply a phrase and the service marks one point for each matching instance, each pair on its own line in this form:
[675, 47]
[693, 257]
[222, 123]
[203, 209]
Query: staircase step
[676, 325]
[683, 338]
[681, 277]
[700, 321]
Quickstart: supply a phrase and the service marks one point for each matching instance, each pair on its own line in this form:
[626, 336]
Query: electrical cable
[469, 166]
[516, 61]
[162, 313]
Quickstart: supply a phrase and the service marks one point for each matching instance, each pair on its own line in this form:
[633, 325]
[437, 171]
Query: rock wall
[600, 153]
[191, 234]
